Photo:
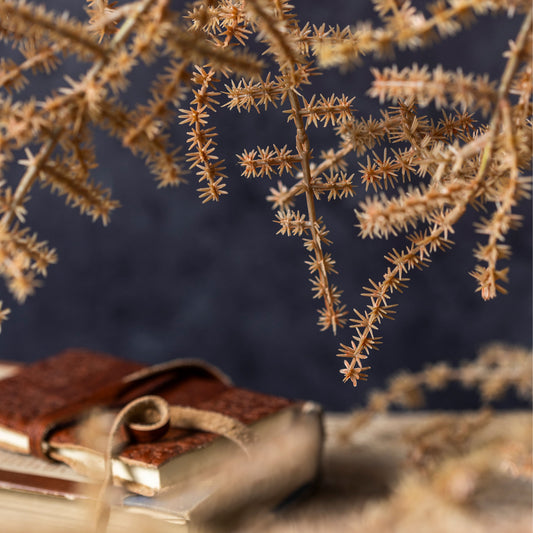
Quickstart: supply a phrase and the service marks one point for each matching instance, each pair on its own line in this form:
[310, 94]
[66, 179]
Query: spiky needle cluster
[451, 163]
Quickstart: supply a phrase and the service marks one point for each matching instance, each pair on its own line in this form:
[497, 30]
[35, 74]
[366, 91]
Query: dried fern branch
[252, 56]
[61, 125]
[484, 170]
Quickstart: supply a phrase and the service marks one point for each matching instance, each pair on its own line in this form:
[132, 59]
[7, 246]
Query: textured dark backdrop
[170, 277]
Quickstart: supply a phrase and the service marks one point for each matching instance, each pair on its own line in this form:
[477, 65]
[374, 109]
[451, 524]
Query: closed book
[49, 497]
[189, 470]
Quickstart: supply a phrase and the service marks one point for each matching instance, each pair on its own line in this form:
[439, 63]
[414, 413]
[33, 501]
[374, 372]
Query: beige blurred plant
[497, 370]
[476, 155]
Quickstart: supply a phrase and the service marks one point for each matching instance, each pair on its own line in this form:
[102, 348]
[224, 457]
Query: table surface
[434, 472]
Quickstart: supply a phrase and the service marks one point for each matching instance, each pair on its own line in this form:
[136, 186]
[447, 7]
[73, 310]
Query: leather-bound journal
[60, 409]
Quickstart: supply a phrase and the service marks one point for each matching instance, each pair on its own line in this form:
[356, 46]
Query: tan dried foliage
[458, 162]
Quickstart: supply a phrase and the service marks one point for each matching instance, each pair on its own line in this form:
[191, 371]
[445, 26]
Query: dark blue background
[171, 277]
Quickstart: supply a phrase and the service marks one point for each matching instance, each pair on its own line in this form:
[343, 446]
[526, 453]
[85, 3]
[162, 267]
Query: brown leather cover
[63, 379]
[242, 404]
[43, 397]
[26, 482]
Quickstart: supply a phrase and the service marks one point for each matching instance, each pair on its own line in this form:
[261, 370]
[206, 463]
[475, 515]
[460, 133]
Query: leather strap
[118, 393]
[152, 413]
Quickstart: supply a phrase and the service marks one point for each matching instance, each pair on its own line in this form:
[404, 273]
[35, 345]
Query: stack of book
[54, 425]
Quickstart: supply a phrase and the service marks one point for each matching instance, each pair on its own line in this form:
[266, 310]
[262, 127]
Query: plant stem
[303, 149]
